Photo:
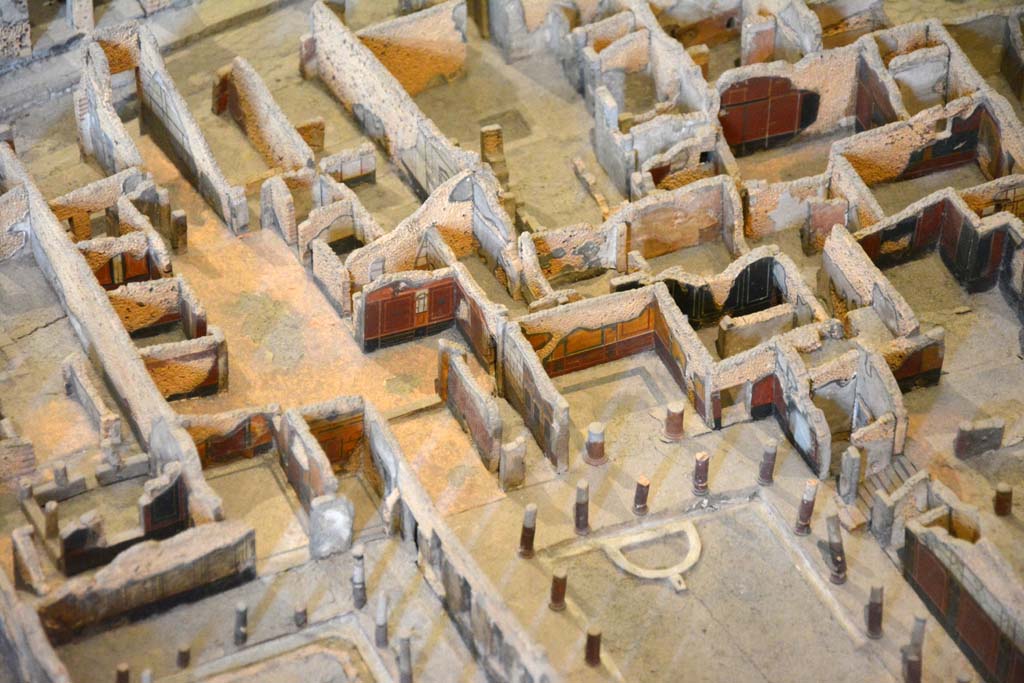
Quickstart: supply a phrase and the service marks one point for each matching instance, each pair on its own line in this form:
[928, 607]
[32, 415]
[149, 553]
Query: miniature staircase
[888, 480]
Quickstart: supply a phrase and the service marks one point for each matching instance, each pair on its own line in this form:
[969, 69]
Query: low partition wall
[150, 573]
[221, 438]
[475, 410]
[129, 258]
[23, 642]
[79, 384]
[185, 369]
[307, 467]
[148, 307]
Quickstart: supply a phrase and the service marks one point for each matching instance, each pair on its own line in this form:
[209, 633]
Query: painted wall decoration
[764, 112]
[874, 108]
[950, 601]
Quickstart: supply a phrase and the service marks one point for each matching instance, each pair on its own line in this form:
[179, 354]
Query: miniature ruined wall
[347, 435]
[87, 306]
[477, 609]
[127, 258]
[155, 303]
[166, 117]
[670, 140]
[761, 278]
[465, 215]
[477, 318]
[475, 410]
[240, 91]
[397, 307]
[15, 30]
[76, 207]
[194, 367]
[78, 383]
[421, 49]
[594, 331]
[101, 134]
[938, 138]
[845, 183]
[744, 332]
[1012, 64]
[875, 94]
[765, 105]
[23, 642]
[14, 221]
[698, 23]
[382, 106]
[971, 248]
[1011, 280]
[528, 388]
[149, 573]
[331, 277]
[351, 165]
[571, 253]
[877, 392]
[855, 281]
[803, 423]
[973, 593]
[306, 465]
[611, 67]
[597, 36]
[221, 438]
[704, 211]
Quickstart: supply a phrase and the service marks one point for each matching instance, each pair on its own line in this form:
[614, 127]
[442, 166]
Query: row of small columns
[873, 611]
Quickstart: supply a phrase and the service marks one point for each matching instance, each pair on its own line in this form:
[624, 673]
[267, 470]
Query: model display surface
[511, 340]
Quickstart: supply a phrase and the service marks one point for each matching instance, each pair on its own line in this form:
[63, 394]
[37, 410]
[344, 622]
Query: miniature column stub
[766, 474]
[582, 516]
[674, 414]
[835, 548]
[593, 452]
[529, 531]
[643, 488]
[873, 612]
[559, 582]
[593, 651]
[803, 519]
[380, 631]
[1004, 499]
[404, 658]
[700, 474]
[358, 577]
[184, 657]
[241, 623]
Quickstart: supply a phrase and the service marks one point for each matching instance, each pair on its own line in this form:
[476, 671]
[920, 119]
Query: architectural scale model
[641, 341]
